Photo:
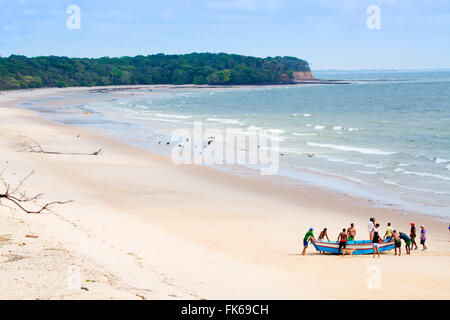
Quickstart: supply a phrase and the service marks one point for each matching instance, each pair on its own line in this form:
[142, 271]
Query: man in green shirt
[309, 235]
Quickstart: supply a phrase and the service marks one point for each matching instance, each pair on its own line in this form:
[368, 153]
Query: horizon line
[387, 69]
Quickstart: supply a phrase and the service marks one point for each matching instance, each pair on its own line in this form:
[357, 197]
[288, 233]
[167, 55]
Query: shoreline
[248, 234]
[367, 194]
[296, 82]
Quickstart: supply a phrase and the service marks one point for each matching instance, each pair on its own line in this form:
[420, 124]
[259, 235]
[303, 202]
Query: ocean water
[384, 137]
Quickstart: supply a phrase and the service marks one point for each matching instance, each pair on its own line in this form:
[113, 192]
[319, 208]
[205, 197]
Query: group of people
[410, 241]
[375, 237]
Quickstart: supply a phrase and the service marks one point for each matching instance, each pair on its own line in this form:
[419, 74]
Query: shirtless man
[342, 238]
[398, 242]
[323, 235]
[351, 232]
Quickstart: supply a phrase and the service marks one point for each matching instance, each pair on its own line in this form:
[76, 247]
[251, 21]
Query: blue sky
[330, 34]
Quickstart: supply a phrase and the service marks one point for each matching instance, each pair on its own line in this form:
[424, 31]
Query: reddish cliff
[303, 75]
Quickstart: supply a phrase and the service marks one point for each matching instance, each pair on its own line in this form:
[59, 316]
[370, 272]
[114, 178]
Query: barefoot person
[423, 237]
[407, 240]
[351, 232]
[413, 235]
[389, 231]
[342, 238]
[375, 243]
[323, 235]
[398, 242]
[309, 235]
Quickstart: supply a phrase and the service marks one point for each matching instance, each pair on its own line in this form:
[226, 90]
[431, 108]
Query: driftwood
[5, 237]
[26, 144]
[18, 197]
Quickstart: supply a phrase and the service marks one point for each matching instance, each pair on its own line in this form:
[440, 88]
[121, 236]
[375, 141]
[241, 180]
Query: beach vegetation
[20, 72]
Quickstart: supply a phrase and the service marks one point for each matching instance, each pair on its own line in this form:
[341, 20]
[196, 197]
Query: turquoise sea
[384, 137]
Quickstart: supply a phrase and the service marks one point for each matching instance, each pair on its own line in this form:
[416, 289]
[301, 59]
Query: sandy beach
[140, 227]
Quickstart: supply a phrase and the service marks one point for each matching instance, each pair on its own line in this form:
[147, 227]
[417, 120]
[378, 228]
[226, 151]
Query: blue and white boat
[360, 246]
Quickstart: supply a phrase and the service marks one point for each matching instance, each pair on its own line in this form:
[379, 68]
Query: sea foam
[440, 160]
[350, 148]
[225, 121]
[305, 114]
[303, 134]
[174, 116]
[426, 174]
[393, 183]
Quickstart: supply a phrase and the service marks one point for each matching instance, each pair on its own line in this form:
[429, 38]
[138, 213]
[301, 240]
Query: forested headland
[20, 72]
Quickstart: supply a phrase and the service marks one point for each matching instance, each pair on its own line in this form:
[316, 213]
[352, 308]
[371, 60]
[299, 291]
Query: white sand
[141, 227]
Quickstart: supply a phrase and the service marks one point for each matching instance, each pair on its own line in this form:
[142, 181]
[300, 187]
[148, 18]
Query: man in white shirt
[371, 228]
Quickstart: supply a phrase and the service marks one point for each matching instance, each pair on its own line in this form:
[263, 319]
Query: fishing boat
[360, 246]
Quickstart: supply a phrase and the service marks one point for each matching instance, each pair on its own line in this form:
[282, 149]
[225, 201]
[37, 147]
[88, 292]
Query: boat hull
[360, 246]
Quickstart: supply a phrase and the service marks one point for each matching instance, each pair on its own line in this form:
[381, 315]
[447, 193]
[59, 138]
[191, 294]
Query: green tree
[17, 72]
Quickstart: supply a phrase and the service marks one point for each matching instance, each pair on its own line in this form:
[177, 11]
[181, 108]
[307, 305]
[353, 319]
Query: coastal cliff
[303, 75]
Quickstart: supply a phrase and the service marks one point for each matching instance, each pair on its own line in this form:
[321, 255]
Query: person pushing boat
[376, 243]
[308, 236]
[389, 231]
[323, 235]
[407, 240]
[397, 242]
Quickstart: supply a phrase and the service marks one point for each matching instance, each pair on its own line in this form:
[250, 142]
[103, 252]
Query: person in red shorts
[342, 238]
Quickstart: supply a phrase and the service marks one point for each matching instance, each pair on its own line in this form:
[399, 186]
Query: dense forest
[20, 72]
